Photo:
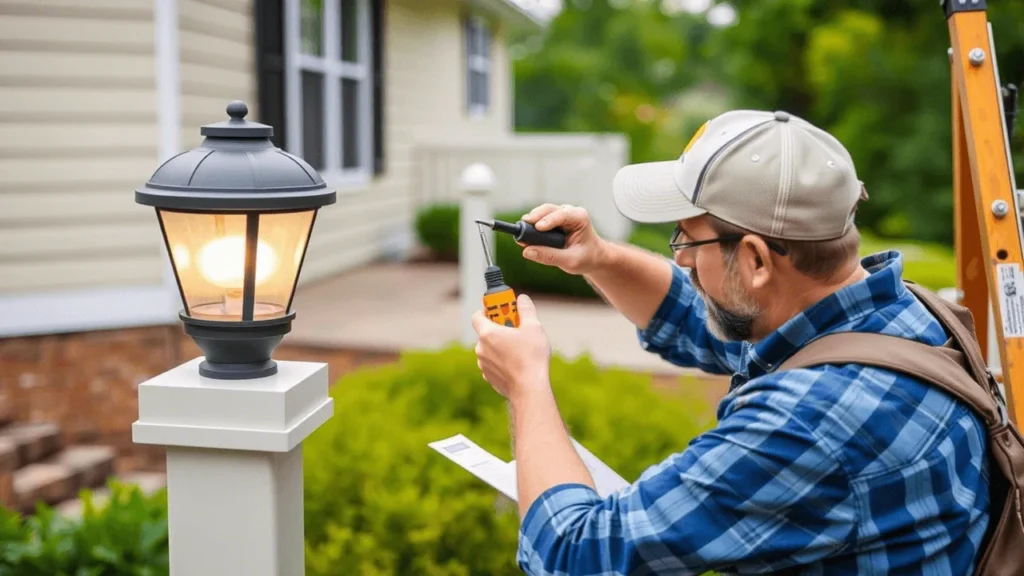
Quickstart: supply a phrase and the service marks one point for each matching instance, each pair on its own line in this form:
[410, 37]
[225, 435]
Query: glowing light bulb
[222, 261]
[182, 259]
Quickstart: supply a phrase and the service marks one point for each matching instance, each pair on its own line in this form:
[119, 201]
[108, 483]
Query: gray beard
[724, 324]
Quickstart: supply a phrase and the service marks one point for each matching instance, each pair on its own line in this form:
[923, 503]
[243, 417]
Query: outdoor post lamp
[236, 215]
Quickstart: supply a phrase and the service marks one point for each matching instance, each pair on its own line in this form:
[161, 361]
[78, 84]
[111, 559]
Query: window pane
[485, 41]
[477, 88]
[470, 30]
[485, 88]
[474, 87]
[313, 118]
[350, 152]
[312, 27]
[350, 30]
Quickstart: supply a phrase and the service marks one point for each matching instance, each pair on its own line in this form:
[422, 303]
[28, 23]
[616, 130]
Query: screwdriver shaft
[483, 241]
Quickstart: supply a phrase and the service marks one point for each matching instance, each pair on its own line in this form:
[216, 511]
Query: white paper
[502, 475]
[1010, 280]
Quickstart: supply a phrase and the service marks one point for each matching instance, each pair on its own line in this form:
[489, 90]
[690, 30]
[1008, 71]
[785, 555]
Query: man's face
[731, 312]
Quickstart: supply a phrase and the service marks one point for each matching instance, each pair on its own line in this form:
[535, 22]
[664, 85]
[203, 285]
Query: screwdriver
[525, 232]
[499, 299]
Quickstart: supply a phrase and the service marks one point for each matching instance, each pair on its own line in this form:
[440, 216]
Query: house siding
[424, 96]
[78, 133]
[217, 62]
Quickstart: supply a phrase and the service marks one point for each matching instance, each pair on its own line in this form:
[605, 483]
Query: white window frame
[480, 63]
[334, 69]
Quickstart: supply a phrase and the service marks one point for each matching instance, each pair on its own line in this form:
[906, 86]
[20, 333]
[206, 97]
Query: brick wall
[87, 382]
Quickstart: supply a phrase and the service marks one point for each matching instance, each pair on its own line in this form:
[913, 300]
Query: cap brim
[647, 193]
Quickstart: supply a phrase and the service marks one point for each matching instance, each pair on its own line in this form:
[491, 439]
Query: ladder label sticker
[1010, 280]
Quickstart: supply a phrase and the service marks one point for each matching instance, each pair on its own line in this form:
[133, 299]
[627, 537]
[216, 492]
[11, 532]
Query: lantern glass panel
[286, 232]
[208, 251]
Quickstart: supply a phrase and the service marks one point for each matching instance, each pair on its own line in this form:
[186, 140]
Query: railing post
[476, 184]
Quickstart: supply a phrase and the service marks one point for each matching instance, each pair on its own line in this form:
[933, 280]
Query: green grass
[931, 265]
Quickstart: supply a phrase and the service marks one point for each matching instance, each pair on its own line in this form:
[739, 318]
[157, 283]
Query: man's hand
[514, 361]
[584, 250]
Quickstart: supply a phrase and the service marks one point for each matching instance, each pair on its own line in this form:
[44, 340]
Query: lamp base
[222, 371]
[237, 350]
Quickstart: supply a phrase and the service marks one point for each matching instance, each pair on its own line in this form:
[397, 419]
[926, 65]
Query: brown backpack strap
[942, 366]
[959, 322]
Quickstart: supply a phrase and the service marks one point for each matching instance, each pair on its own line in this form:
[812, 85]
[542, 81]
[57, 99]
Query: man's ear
[756, 259]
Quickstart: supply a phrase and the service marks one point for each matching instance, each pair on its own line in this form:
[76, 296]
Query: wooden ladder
[989, 260]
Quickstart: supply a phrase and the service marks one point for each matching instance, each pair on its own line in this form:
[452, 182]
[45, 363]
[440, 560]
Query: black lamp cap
[237, 126]
[236, 169]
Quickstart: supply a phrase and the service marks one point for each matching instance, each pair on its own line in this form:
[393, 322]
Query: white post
[476, 184]
[168, 90]
[234, 465]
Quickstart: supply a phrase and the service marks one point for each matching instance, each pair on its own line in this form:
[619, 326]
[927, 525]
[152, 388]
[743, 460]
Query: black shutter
[377, 31]
[270, 93]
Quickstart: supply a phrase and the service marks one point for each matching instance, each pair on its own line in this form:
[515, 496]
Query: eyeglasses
[675, 245]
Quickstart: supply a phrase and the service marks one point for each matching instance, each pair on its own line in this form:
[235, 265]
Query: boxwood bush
[437, 227]
[125, 537]
[380, 501]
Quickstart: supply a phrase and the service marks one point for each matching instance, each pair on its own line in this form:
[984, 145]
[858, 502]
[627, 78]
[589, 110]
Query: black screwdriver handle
[554, 238]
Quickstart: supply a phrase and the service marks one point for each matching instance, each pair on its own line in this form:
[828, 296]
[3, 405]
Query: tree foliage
[875, 73]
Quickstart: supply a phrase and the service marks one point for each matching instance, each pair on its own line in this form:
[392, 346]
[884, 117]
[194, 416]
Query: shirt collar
[833, 313]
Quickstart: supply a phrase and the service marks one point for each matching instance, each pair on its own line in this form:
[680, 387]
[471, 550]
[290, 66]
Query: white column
[168, 91]
[234, 465]
[476, 184]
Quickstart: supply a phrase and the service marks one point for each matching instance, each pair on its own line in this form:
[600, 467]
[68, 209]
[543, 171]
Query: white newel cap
[478, 178]
[272, 414]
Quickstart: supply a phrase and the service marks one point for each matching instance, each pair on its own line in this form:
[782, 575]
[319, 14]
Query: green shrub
[126, 536]
[380, 501]
[437, 227]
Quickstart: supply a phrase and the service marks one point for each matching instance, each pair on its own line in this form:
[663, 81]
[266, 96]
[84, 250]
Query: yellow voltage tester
[499, 299]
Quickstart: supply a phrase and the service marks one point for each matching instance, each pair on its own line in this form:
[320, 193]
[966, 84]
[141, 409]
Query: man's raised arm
[650, 291]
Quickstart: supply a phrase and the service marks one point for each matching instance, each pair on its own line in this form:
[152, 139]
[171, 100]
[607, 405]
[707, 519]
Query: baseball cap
[769, 172]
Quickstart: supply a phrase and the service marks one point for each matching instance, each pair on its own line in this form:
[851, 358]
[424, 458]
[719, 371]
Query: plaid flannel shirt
[828, 470]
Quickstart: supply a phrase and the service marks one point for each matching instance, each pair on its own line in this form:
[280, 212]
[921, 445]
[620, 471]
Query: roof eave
[510, 13]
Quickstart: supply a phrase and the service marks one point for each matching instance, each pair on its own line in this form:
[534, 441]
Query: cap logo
[696, 136]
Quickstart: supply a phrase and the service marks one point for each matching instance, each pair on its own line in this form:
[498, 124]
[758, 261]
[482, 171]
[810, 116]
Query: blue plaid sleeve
[678, 332]
[759, 493]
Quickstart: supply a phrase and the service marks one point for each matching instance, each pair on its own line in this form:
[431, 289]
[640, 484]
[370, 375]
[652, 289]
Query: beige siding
[424, 96]
[78, 133]
[217, 62]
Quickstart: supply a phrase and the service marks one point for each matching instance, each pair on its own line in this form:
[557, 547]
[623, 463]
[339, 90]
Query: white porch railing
[532, 169]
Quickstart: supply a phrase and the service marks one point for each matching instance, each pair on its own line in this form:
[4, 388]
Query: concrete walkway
[401, 306]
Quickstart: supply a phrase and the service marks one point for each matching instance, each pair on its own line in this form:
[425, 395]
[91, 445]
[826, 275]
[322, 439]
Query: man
[832, 470]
